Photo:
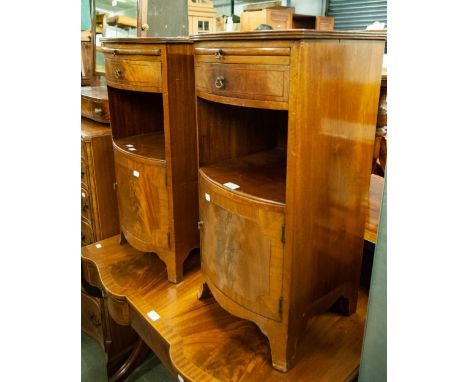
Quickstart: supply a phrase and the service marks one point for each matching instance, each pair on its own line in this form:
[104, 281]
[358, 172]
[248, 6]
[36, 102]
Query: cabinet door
[143, 203]
[242, 250]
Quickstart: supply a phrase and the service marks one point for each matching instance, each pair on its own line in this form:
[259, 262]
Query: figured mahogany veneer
[152, 104]
[199, 340]
[286, 127]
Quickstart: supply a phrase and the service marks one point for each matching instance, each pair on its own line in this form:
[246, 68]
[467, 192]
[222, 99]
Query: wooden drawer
[242, 249]
[134, 68]
[87, 233]
[92, 322]
[85, 204]
[118, 309]
[96, 110]
[252, 74]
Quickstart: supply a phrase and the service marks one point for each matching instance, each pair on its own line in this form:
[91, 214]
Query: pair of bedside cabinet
[264, 142]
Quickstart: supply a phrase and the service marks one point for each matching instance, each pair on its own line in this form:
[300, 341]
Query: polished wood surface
[373, 211]
[149, 146]
[260, 176]
[199, 340]
[242, 250]
[329, 117]
[143, 202]
[257, 76]
[99, 213]
[154, 132]
[95, 104]
[138, 72]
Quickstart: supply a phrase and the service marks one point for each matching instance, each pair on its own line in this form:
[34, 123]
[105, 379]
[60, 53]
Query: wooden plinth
[198, 339]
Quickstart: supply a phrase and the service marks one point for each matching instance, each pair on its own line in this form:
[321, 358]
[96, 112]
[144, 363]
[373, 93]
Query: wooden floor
[202, 342]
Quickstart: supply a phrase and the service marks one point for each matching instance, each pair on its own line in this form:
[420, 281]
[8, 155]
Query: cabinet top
[293, 34]
[148, 40]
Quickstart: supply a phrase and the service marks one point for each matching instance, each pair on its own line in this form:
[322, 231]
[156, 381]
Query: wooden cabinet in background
[94, 103]
[283, 18]
[286, 126]
[99, 213]
[120, 343]
[152, 105]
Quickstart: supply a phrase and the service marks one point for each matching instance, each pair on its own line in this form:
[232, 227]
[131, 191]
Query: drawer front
[85, 204]
[87, 233]
[247, 75]
[92, 322]
[242, 250]
[253, 82]
[143, 202]
[118, 310]
[95, 110]
[134, 74]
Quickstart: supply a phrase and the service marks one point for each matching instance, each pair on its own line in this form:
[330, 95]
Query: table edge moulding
[278, 269]
[151, 91]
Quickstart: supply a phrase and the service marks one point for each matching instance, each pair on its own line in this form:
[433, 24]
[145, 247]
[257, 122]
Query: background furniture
[99, 215]
[151, 99]
[99, 220]
[379, 162]
[95, 104]
[285, 125]
[201, 16]
[282, 18]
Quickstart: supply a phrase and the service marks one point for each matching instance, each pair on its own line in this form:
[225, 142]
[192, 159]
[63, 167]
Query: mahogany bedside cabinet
[151, 93]
[286, 127]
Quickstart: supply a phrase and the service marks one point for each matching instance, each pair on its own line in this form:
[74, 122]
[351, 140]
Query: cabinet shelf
[261, 176]
[149, 146]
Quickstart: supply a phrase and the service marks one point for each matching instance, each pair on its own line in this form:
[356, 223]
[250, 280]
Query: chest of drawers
[286, 124]
[99, 213]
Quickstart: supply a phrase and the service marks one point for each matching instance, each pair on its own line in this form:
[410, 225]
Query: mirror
[112, 18]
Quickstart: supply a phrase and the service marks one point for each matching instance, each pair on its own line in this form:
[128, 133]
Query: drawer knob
[98, 111]
[219, 83]
[118, 73]
[200, 225]
[85, 207]
[145, 27]
[218, 54]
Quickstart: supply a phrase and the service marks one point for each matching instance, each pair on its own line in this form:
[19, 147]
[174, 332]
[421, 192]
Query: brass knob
[218, 54]
[145, 27]
[114, 52]
[200, 225]
[219, 83]
[98, 111]
[118, 73]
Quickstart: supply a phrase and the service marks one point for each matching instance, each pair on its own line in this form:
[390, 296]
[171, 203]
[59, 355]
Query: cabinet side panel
[182, 130]
[330, 144]
[105, 194]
